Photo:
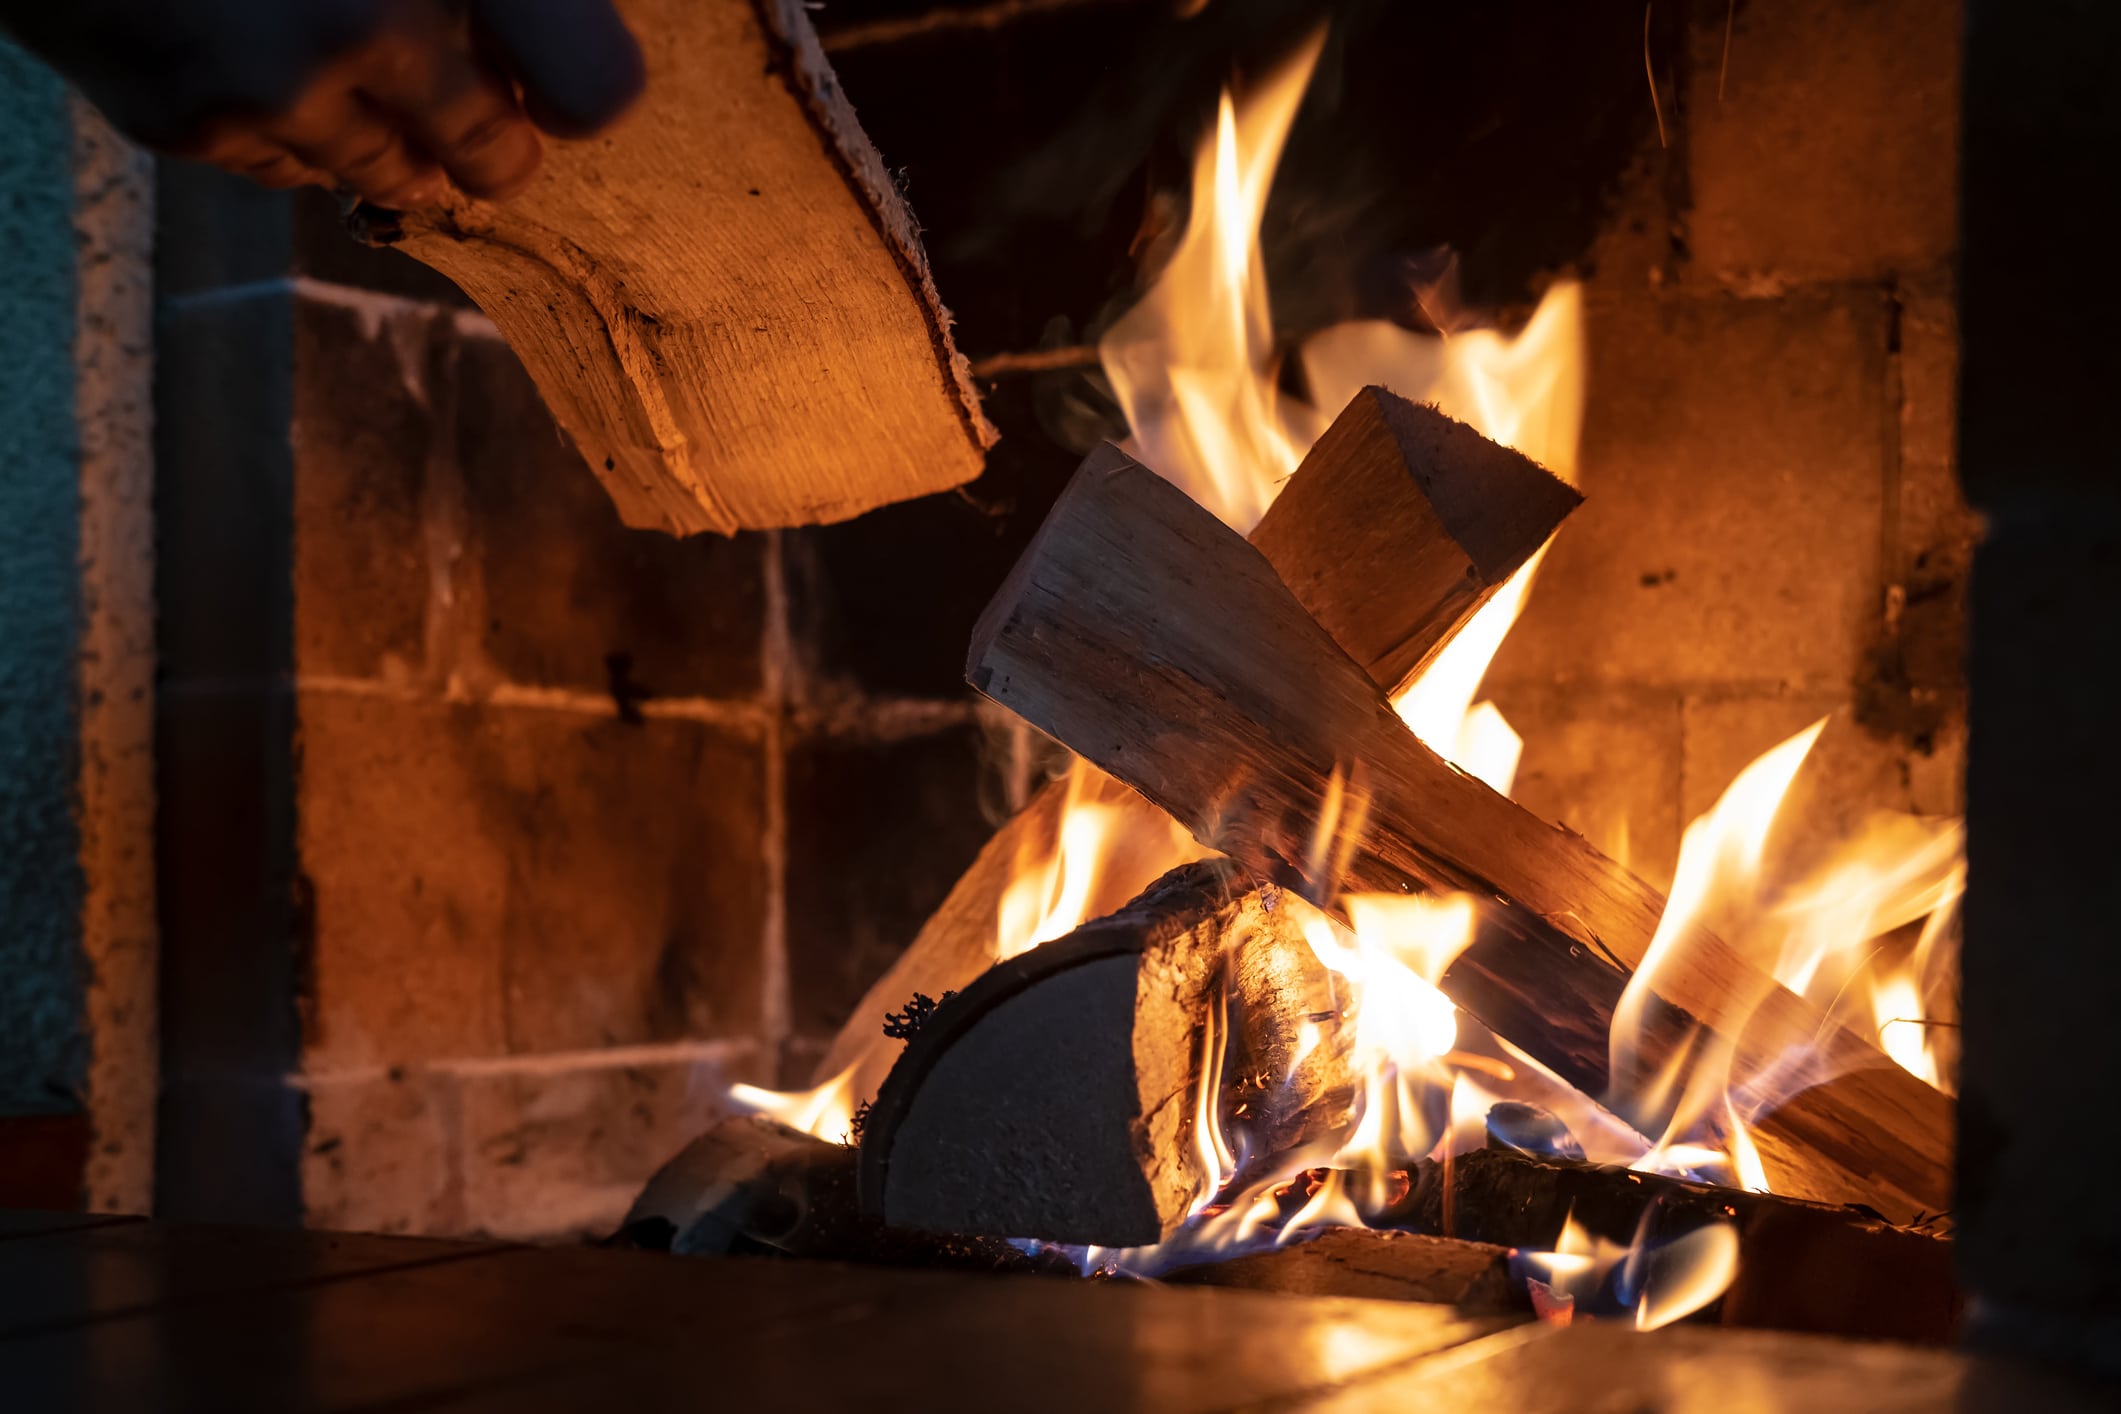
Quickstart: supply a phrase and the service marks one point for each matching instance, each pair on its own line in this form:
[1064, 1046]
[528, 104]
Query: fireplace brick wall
[498, 838]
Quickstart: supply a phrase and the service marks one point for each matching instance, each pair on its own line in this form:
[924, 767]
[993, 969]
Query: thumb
[576, 60]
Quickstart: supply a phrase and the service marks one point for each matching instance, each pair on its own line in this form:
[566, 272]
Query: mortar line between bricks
[775, 669]
[720, 1051]
[373, 305]
[747, 717]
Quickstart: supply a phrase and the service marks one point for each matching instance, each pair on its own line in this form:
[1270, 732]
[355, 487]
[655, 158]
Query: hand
[395, 99]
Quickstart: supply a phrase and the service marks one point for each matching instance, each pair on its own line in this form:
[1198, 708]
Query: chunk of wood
[1801, 1266]
[1141, 632]
[724, 300]
[1397, 527]
[1400, 524]
[1056, 1097]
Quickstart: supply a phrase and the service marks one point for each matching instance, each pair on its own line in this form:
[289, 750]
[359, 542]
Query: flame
[1658, 1282]
[824, 1112]
[1833, 935]
[1193, 363]
[1111, 844]
[1388, 962]
[1719, 867]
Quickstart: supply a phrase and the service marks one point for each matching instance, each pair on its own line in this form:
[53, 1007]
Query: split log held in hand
[1398, 526]
[1141, 632]
[724, 300]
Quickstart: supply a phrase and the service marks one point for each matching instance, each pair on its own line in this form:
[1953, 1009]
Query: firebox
[1316, 649]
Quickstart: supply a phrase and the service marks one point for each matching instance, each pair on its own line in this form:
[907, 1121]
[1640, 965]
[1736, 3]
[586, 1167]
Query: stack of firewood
[1244, 689]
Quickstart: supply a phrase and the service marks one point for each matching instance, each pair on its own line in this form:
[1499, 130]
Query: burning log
[1398, 526]
[1058, 1096]
[725, 301]
[1140, 631]
[1801, 1266]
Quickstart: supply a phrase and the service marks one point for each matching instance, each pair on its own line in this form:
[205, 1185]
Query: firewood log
[1402, 522]
[1056, 1097]
[1141, 632]
[724, 300]
[1801, 1266]
[1397, 527]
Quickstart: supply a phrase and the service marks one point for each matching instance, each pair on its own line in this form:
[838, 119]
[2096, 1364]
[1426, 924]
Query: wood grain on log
[1368, 551]
[1402, 522]
[724, 300]
[1056, 1096]
[1145, 635]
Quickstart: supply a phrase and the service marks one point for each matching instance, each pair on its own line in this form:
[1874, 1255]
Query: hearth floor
[113, 1313]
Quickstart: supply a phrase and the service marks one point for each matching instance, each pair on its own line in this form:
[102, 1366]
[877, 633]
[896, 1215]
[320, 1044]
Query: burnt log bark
[1801, 1266]
[1397, 527]
[1057, 1096]
[724, 300]
[1142, 633]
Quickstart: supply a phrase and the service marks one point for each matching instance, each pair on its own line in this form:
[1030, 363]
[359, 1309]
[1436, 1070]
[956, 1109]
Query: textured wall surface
[43, 1049]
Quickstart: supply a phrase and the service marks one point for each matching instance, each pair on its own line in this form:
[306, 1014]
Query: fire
[825, 1111]
[1197, 369]
[1193, 363]
[1834, 937]
[1112, 844]
[1719, 862]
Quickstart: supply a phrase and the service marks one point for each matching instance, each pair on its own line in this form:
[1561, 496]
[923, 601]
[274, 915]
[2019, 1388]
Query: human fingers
[267, 163]
[579, 65]
[335, 129]
[457, 110]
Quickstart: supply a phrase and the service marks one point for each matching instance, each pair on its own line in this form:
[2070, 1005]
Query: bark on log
[1056, 1096]
[1801, 1266]
[1397, 527]
[1142, 633]
[724, 300]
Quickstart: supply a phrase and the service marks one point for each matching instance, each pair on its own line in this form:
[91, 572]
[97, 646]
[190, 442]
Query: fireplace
[505, 849]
